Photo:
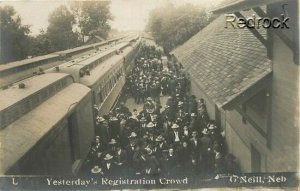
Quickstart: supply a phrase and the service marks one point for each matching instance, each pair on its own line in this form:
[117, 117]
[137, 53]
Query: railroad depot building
[250, 81]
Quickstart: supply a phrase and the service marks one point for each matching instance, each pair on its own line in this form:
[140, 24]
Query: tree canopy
[68, 25]
[93, 17]
[13, 36]
[60, 29]
[172, 26]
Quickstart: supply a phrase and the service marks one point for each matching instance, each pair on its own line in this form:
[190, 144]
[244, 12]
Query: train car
[19, 70]
[107, 80]
[81, 66]
[46, 126]
[82, 49]
[37, 143]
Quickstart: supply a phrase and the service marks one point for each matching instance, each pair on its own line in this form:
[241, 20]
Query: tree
[172, 26]
[40, 45]
[13, 36]
[60, 29]
[93, 17]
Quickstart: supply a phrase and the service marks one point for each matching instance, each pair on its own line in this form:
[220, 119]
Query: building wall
[283, 153]
[195, 90]
[240, 137]
[285, 109]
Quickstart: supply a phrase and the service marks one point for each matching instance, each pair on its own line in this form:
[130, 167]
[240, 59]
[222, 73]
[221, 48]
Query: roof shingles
[224, 62]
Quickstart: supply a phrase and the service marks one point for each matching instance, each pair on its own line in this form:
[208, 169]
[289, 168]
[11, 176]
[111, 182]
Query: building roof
[22, 135]
[13, 94]
[224, 62]
[230, 6]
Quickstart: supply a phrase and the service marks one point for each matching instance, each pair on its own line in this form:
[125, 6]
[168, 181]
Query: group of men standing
[175, 139]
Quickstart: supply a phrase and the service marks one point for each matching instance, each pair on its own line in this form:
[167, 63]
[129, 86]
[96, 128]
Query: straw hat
[100, 119]
[175, 126]
[133, 135]
[96, 169]
[150, 125]
[112, 141]
[205, 131]
[159, 138]
[108, 157]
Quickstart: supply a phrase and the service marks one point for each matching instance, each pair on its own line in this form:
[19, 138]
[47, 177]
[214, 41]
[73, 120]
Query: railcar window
[100, 97]
[25, 106]
[58, 86]
[2, 120]
[52, 88]
[36, 100]
[44, 94]
[64, 82]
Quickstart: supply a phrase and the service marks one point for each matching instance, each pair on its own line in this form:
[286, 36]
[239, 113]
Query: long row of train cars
[47, 121]
[19, 70]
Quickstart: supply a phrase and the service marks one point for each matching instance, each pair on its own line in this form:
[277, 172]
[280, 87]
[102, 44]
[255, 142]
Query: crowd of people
[177, 138]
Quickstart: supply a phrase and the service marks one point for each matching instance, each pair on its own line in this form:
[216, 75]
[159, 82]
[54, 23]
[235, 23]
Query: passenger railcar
[19, 70]
[103, 72]
[37, 143]
[46, 126]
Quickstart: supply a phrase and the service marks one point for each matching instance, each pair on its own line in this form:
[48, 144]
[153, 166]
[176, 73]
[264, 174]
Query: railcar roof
[13, 94]
[26, 61]
[22, 135]
[100, 70]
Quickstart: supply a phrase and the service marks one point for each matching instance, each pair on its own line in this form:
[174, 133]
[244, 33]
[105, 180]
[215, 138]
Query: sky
[128, 14]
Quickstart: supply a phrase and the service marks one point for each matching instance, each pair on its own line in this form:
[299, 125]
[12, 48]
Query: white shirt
[108, 165]
[176, 136]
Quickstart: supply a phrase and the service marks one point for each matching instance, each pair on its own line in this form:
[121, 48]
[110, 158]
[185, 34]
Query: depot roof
[231, 6]
[224, 62]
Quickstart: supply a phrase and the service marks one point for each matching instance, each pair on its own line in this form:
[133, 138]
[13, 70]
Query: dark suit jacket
[171, 136]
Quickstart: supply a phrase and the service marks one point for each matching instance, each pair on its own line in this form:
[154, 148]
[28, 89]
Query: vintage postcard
[149, 94]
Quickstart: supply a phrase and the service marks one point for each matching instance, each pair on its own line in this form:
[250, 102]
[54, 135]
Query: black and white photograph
[149, 94]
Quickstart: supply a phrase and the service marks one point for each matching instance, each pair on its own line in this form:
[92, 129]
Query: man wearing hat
[108, 165]
[142, 125]
[114, 127]
[193, 105]
[159, 147]
[194, 143]
[150, 164]
[175, 135]
[120, 159]
[130, 150]
[96, 170]
[206, 151]
[102, 130]
[112, 144]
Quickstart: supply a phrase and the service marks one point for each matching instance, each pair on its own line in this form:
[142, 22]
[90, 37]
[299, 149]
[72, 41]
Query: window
[25, 106]
[100, 97]
[255, 160]
[2, 120]
[35, 100]
[256, 109]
